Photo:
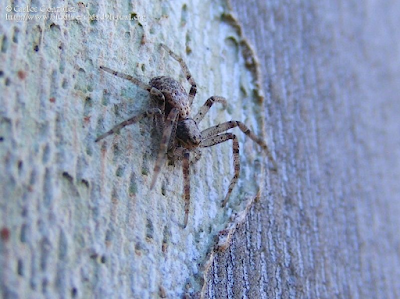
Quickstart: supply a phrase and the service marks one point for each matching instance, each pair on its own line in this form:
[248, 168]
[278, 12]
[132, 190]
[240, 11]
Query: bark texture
[329, 227]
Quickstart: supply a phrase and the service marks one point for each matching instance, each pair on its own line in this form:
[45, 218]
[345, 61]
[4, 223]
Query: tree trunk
[318, 81]
[329, 225]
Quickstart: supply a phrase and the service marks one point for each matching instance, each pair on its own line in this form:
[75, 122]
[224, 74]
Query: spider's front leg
[170, 126]
[213, 140]
[232, 124]
[206, 107]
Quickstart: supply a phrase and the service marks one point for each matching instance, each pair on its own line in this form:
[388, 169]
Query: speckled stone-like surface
[78, 218]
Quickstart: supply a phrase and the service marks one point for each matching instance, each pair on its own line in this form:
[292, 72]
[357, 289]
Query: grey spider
[181, 134]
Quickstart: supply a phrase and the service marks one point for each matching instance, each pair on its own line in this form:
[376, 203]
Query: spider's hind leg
[132, 120]
[185, 69]
[153, 91]
[127, 77]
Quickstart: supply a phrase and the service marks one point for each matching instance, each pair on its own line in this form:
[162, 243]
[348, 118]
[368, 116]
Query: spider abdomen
[174, 93]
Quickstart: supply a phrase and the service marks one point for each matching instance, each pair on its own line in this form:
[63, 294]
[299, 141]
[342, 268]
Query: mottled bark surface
[329, 227]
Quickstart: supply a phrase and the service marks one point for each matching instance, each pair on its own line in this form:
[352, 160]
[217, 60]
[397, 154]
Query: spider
[181, 134]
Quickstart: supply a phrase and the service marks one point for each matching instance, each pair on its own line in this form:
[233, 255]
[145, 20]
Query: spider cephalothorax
[188, 133]
[181, 134]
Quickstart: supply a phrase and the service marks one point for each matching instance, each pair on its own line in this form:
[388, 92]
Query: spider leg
[170, 124]
[193, 88]
[132, 120]
[127, 77]
[213, 140]
[153, 91]
[232, 124]
[181, 153]
[186, 184]
[207, 105]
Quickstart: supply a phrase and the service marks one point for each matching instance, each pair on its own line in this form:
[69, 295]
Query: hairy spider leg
[232, 124]
[186, 182]
[213, 140]
[185, 69]
[170, 125]
[206, 107]
[127, 77]
[153, 91]
[132, 120]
